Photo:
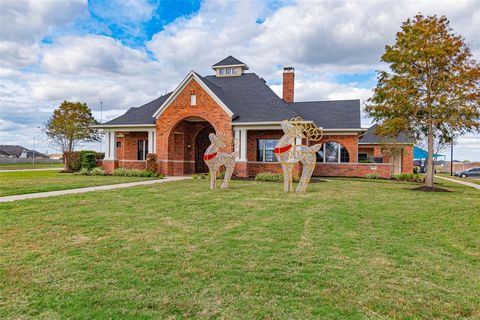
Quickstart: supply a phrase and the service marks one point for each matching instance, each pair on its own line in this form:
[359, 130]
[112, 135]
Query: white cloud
[25, 23]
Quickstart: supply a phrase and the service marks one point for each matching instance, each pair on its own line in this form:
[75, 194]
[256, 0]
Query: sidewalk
[465, 183]
[88, 189]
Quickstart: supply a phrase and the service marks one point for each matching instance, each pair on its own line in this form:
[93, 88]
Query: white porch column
[151, 141]
[236, 136]
[111, 145]
[243, 145]
[107, 145]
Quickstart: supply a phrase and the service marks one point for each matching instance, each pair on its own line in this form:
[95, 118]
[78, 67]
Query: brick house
[176, 125]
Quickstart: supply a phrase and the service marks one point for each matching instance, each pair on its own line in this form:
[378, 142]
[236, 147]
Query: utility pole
[451, 157]
[101, 120]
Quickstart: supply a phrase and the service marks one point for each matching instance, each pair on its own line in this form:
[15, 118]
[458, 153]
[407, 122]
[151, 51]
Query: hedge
[89, 160]
[72, 161]
[152, 162]
[273, 177]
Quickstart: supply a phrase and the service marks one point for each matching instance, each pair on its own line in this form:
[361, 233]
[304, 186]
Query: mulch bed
[430, 189]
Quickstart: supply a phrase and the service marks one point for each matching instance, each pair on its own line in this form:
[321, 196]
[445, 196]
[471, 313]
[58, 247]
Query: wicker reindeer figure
[215, 160]
[289, 154]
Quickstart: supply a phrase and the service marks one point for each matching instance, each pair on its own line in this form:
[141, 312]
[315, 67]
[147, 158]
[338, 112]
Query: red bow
[282, 149]
[210, 156]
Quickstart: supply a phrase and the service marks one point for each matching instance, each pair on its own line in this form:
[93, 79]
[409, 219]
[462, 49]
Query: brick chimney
[288, 84]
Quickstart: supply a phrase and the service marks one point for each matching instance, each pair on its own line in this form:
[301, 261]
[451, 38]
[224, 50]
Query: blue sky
[128, 52]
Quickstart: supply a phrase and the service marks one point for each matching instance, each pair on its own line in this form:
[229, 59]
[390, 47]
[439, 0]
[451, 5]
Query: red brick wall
[109, 165]
[407, 156]
[128, 149]
[288, 86]
[352, 169]
[133, 164]
[407, 159]
[206, 108]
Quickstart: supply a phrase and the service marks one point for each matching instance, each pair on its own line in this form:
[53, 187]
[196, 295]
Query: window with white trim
[193, 100]
[265, 148]
[333, 152]
[142, 149]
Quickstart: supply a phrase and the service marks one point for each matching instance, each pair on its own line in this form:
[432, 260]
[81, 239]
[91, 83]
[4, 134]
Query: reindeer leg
[288, 183]
[228, 175]
[307, 171]
[213, 177]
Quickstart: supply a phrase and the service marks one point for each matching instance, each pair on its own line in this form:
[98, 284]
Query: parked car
[472, 172]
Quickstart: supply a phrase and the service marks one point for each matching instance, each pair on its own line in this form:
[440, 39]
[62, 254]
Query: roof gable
[370, 137]
[211, 90]
[229, 62]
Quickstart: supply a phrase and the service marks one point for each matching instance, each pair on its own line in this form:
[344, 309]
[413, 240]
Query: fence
[28, 160]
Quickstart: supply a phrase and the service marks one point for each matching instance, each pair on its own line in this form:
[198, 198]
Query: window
[235, 71]
[229, 71]
[119, 144]
[265, 149]
[222, 71]
[142, 149]
[344, 157]
[193, 100]
[333, 152]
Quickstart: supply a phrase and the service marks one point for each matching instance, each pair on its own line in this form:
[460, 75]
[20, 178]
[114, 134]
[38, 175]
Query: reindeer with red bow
[289, 154]
[215, 159]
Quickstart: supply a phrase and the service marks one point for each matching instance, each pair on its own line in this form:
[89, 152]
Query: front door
[396, 162]
[201, 144]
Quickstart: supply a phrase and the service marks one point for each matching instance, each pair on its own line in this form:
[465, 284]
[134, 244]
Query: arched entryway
[188, 141]
[201, 144]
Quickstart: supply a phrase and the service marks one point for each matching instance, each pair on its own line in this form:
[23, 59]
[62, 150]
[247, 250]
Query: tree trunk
[430, 165]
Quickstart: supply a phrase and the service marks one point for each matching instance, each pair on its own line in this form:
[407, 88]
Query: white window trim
[264, 151]
[338, 155]
[193, 99]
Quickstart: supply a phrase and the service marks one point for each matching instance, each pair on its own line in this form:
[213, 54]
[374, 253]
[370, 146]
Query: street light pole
[451, 158]
[101, 120]
[33, 158]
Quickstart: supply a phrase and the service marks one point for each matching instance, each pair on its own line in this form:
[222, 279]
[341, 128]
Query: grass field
[348, 249]
[12, 183]
[16, 166]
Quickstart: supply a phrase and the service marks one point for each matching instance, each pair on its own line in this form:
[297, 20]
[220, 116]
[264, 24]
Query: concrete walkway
[88, 189]
[32, 169]
[465, 183]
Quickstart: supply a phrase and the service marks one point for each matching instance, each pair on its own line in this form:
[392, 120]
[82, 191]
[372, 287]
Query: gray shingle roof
[12, 149]
[251, 99]
[140, 115]
[17, 151]
[371, 138]
[229, 61]
[338, 114]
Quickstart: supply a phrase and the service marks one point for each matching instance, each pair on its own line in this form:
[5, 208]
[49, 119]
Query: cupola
[229, 67]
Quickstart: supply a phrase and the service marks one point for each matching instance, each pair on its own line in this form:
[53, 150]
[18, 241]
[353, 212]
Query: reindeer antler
[309, 129]
[228, 140]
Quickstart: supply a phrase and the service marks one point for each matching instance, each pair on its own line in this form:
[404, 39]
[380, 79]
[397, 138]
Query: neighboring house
[176, 125]
[15, 151]
[56, 156]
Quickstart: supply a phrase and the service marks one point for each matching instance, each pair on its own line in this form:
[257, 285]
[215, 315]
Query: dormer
[229, 67]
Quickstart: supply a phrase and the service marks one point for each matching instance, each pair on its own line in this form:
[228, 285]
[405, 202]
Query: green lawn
[16, 166]
[348, 249]
[12, 183]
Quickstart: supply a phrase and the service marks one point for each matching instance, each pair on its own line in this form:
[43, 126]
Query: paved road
[465, 183]
[89, 189]
[39, 169]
